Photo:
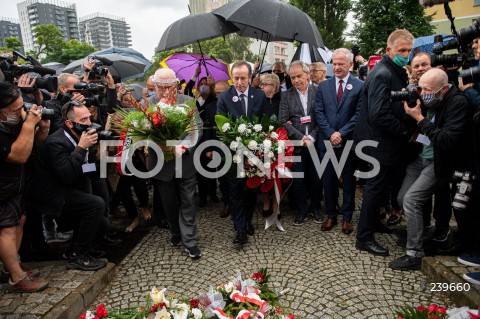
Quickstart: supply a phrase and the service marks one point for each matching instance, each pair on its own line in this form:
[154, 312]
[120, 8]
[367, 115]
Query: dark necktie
[340, 91]
[244, 105]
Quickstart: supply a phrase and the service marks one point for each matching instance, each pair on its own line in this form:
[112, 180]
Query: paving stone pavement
[326, 276]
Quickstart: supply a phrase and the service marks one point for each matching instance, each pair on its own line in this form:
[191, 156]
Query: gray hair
[272, 77]
[63, 79]
[305, 67]
[321, 65]
[347, 52]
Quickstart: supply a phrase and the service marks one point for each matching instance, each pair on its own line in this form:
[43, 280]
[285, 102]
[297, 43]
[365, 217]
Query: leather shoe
[328, 224]
[241, 238]
[250, 230]
[347, 227]
[371, 247]
[225, 211]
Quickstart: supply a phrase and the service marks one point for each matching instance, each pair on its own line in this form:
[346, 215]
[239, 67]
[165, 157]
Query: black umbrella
[271, 20]
[194, 28]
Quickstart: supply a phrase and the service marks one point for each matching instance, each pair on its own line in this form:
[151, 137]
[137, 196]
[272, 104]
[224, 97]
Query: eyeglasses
[265, 84]
[316, 70]
[162, 88]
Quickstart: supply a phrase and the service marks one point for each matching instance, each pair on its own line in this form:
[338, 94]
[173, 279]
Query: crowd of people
[51, 189]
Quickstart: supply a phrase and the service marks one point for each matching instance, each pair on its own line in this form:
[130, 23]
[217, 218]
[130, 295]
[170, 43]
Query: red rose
[267, 186]
[154, 308]
[258, 277]
[420, 308]
[291, 316]
[282, 133]
[254, 182]
[194, 303]
[83, 316]
[432, 309]
[442, 310]
[162, 305]
[101, 311]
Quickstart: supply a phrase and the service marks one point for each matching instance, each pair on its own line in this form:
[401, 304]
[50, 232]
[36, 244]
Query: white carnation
[270, 128]
[225, 127]
[267, 144]
[234, 146]
[274, 135]
[252, 145]
[257, 127]
[197, 314]
[242, 128]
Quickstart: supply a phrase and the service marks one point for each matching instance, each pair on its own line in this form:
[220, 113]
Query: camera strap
[86, 167]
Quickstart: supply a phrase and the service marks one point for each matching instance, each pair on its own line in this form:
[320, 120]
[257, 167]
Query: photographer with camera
[65, 173]
[19, 131]
[443, 124]
[66, 82]
[30, 94]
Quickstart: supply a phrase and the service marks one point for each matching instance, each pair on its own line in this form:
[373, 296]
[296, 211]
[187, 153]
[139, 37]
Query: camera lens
[446, 60]
[471, 75]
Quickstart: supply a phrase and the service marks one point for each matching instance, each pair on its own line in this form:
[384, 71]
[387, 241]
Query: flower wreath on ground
[159, 123]
[261, 151]
[237, 299]
[434, 311]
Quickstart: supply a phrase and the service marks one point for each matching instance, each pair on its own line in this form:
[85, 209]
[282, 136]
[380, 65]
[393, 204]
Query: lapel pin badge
[349, 87]
[251, 96]
[235, 98]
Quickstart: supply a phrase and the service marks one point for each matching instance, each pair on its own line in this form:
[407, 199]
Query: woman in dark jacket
[270, 85]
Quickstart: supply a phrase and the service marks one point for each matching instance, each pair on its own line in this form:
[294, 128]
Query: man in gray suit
[177, 186]
[296, 112]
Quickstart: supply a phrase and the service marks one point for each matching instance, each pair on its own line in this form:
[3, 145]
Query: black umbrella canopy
[271, 20]
[193, 28]
[308, 51]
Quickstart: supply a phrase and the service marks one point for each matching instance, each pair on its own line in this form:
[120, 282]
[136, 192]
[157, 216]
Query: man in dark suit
[385, 122]
[241, 99]
[336, 108]
[177, 189]
[296, 112]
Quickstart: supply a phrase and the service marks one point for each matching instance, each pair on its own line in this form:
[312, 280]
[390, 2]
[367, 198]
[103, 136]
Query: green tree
[330, 16]
[71, 51]
[12, 43]
[49, 39]
[378, 18]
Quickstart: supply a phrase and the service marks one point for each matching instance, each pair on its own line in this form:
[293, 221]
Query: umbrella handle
[203, 60]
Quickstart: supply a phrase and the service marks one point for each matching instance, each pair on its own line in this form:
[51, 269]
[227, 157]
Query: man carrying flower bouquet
[241, 100]
[177, 188]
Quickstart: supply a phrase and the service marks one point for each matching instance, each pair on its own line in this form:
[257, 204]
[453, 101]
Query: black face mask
[80, 128]
[281, 76]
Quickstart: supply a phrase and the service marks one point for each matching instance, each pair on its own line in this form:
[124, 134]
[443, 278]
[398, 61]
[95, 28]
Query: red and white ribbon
[280, 171]
[220, 314]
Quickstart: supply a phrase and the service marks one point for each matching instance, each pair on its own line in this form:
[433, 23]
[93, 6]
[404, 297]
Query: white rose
[242, 128]
[257, 127]
[270, 128]
[274, 135]
[225, 127]
[233, 146]
[270, 154]
[267, 144]
[236, 159]
[197, 314]
[252, 145]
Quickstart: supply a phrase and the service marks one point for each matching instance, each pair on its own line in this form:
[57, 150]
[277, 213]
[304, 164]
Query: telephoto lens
[471, 75]
[47, 114]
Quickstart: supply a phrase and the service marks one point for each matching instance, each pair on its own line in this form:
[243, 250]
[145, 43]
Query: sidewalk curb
[446, 269]
[78, 300]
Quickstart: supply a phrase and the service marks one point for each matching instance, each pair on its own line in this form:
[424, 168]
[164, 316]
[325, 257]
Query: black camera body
[98, 71]
[410, 95]
[462, 42]
[102, 134]
[47, 114]
[91, 91]
[464, 189]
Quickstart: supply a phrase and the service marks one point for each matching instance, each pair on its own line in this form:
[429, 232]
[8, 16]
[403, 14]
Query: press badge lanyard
[86, 167]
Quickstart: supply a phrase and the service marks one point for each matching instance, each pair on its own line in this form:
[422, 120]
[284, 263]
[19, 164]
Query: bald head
[433, 79]
[165, 84]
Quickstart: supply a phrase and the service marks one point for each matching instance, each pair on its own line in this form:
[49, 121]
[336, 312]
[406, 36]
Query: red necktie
[340, 91]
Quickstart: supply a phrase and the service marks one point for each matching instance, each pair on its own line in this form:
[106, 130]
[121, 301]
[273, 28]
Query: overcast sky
[148, 19]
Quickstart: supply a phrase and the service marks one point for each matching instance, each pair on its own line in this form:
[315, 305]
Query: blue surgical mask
[151, 93]
[400, 60]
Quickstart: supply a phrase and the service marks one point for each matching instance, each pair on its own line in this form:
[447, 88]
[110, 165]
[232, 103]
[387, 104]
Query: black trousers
[123, 194]
[374, 196]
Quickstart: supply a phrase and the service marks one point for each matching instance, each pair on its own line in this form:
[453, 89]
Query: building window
[476, 3]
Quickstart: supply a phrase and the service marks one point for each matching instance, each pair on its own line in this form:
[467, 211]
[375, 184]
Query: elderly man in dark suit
[241, 99]
[336, 108]
[296, 112]
[177, 188]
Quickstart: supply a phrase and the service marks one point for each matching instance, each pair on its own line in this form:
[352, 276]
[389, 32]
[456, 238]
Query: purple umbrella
[185, 65]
